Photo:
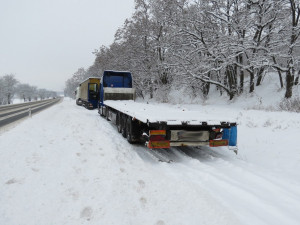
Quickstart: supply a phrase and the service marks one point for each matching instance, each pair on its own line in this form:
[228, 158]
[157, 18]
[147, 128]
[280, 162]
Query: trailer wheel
[119, 122]
[123, 125]
[129, 130]
[101, 111]
[107, 114]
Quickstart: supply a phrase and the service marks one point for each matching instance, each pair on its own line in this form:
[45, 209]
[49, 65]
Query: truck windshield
[117, 80]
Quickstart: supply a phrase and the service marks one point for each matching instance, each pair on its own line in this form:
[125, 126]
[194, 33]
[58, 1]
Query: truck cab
[87, 93]
[115, 85]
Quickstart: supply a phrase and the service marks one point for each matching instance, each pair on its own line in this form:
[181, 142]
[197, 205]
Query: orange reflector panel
[217, 143]
[159, 144]
[157, 132]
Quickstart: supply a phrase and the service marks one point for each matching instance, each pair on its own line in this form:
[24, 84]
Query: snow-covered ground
[66, 165]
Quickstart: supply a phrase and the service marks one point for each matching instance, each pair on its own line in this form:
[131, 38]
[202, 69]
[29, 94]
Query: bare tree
[294, 35]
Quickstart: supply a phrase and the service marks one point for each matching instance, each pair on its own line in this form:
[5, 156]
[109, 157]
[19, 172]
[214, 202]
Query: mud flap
[231, 135]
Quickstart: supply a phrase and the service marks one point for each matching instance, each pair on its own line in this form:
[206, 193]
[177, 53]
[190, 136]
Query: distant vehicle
[87, 93]
[155, 125]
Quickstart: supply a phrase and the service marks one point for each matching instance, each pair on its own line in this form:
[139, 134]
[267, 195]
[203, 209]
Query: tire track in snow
[228, 180]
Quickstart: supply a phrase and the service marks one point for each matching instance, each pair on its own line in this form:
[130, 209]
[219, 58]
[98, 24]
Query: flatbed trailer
[157, 125]
[160, 126]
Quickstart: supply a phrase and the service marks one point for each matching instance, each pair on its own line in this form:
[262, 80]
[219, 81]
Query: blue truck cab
[115, 85]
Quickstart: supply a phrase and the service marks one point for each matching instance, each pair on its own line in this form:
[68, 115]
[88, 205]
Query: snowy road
[66, 165]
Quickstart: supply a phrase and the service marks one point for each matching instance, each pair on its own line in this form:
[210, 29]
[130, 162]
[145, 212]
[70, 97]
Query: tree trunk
[279, 73]
[206, 87]
[231, 77]
[251, 82]
[151, 91]
[231, 82]
[260, 76]
[242, 76]
[242, 82]
[225, 82]
[297, 79]
[8, 98]
[295, 11]
[289, 84]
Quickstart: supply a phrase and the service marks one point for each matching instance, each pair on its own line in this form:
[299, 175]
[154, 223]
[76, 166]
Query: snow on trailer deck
[160, 112]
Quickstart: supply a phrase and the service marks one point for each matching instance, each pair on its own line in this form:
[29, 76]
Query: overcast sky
[43, 42]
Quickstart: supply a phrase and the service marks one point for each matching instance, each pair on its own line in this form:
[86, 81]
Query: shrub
[292, 105]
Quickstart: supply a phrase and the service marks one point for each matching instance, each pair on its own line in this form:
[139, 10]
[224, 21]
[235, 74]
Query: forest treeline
[10, 87]
[196, 45]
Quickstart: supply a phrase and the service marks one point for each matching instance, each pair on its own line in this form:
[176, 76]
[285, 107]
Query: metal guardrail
[11, 113]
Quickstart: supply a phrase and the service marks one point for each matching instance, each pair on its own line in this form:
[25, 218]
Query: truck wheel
[129, 130]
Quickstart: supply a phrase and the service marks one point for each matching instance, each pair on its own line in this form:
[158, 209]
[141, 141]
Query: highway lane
[12, 113]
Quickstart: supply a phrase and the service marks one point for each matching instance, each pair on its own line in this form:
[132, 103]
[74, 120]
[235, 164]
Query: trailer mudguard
[231, 135]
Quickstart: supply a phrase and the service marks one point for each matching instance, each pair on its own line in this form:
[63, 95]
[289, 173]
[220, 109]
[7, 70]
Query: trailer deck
[159, 112]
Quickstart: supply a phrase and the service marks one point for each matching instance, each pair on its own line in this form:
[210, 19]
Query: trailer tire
[123, 125]
[101, 111]
[129, 130]
[107, 114]
[119, 122]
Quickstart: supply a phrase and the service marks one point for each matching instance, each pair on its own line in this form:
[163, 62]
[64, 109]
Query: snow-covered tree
[7, 88]
[26, 92]
[196, 44]
[74, 81]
